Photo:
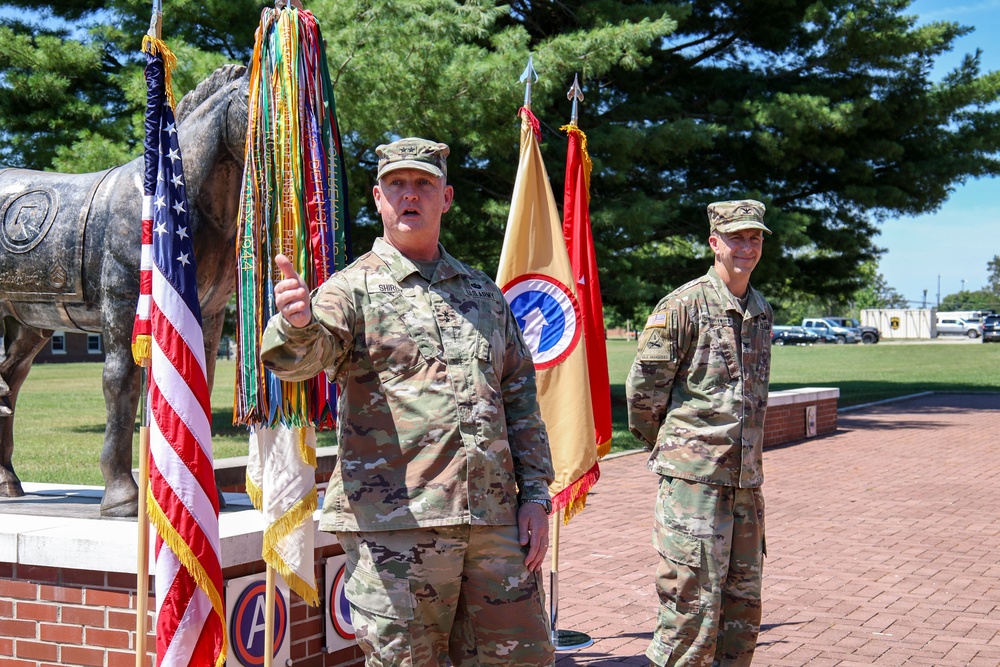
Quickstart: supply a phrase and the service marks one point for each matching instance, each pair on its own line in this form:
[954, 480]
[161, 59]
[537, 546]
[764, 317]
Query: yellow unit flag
[537, 279]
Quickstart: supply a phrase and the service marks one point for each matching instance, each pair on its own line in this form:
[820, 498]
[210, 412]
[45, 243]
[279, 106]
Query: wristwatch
[547, 504]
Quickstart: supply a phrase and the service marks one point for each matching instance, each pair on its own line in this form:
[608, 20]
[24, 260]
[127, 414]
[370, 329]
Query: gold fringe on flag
[188, 559]
[142, 349]
[278, 531]
[588, 164]
[155, 45]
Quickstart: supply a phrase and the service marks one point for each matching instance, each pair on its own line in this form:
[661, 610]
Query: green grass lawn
[863, 373]
[59, 425]
[60, 413]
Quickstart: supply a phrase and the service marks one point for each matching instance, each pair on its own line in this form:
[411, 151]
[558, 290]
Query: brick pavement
[883, 545]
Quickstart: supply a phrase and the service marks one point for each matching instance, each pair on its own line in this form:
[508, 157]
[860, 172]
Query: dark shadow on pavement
[769, 626]
[592, 657]
[602, 660]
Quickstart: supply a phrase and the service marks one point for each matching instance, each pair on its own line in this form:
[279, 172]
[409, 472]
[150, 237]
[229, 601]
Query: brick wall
[787, 422]
[61, 616]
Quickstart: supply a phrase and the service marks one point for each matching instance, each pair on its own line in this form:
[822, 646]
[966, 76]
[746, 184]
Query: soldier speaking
[440, 493]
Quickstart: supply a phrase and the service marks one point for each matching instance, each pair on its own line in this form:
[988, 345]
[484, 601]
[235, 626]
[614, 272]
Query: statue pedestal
[68, 581]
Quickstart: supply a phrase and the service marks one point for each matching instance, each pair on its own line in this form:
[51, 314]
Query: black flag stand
[563, 640]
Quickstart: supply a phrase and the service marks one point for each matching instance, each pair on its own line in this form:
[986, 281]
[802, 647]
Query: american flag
[182, 501]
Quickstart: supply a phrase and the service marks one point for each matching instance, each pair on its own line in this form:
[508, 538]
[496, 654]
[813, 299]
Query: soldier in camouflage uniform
[440, 493]
[697, 393]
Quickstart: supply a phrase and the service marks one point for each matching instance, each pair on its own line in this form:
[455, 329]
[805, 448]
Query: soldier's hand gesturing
[291, 295]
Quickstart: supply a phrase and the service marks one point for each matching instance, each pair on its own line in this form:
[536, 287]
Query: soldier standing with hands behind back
[697, 394]
[440, 494]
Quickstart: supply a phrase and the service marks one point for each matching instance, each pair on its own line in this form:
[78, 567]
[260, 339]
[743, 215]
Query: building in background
[68, 347]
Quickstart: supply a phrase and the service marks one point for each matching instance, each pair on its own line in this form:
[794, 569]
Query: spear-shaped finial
[575, 95]
[528, 77]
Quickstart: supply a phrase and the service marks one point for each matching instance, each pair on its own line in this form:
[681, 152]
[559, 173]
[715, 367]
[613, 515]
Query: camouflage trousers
[463, 592]
[711, 544]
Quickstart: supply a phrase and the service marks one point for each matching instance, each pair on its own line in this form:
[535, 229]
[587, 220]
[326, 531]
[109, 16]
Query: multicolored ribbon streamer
[294, 201]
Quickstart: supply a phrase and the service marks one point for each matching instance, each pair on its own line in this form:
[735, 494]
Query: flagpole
[142, 565]
[563, 640]
[142, 559]
[554, 579]
[270, 583]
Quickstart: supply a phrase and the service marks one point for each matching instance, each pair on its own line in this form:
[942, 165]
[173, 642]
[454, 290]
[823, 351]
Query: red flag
[580, 243]
[182, 500]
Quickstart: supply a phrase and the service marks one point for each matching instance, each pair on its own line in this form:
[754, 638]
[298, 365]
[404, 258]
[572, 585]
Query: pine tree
[993, 266]
[823, 110]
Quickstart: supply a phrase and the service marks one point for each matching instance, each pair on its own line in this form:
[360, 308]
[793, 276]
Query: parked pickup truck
[822, 325]
[868, 335]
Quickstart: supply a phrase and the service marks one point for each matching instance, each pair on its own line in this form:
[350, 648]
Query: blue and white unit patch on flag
[549, 317]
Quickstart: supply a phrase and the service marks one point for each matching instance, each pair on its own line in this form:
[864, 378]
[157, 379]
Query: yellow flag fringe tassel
[154, 45]
[280, 529]
[588, 164]
[142, 348]
[187, 558]
[256, 493]
[307, 453]
[573, 499]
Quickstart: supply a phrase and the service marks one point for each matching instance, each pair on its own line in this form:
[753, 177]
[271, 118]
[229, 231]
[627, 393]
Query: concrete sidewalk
[883, 545]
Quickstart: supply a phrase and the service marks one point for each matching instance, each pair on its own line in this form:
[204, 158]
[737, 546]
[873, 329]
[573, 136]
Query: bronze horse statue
[69, 259]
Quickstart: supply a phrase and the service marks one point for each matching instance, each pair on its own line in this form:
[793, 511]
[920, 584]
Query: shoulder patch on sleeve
[656, 320]
[656, 345]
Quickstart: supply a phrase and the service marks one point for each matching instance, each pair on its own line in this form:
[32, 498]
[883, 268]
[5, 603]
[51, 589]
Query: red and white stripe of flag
[182, 485]
[141, 325]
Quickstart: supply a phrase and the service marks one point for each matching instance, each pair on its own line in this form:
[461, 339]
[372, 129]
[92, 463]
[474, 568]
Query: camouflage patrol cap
[732, 216]
[413, 153]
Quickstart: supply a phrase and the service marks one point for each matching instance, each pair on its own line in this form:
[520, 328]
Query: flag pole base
[563, 640]
[570, 640]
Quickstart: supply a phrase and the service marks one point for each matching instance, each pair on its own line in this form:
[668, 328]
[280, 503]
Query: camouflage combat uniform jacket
[697, 391]
[438, 419]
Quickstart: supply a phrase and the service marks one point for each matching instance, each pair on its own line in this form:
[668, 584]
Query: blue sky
[958, 240]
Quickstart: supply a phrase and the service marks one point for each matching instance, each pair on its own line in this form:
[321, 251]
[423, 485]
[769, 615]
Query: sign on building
[339, 631]
[245, 618]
